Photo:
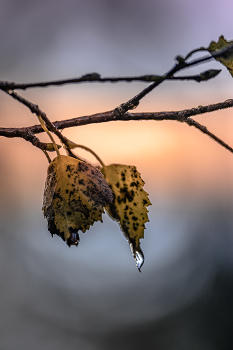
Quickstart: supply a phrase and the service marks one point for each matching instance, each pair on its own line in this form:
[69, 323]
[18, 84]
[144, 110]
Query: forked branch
[220, 51]
[181, 116]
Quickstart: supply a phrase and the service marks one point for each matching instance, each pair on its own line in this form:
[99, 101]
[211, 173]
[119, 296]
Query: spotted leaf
[222, 51]
[74, 197]
[129, 206]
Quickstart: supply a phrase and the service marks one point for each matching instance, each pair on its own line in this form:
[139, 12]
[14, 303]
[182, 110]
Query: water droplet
[138, 256]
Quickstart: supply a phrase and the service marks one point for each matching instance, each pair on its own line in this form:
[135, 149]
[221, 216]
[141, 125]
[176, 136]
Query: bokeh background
[93, 297]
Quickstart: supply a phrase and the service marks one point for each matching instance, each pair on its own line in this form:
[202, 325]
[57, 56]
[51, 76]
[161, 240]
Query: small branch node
[181, 117]
[119, 111]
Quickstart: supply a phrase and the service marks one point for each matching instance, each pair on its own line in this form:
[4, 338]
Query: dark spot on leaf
[76, 206]
[126, 195]
[136, 184]
[57, 195]
[82, 166]
[71, 193]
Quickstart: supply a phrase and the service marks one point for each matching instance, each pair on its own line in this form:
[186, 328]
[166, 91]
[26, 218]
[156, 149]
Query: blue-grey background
[92, 296]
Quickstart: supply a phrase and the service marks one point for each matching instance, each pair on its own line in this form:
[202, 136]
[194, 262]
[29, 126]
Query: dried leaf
[129, 206]
[222, 51]
[207, 75]
[50, 146]
[74, 197]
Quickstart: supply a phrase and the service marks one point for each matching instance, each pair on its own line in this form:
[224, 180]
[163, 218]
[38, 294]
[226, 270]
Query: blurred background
[93, 297]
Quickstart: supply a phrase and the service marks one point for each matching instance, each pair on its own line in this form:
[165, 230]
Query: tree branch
[181, 116]
[180, 64]
[121, 112]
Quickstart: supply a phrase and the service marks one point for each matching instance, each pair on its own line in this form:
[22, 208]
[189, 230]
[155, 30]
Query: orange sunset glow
[171, 156]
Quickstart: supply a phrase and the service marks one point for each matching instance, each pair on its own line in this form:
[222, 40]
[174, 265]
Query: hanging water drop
[138, 256]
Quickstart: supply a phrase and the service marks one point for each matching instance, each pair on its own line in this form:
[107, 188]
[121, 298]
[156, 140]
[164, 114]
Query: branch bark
[180, 116]
[121, 112]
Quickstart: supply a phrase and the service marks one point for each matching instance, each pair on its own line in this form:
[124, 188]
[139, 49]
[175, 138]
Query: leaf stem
[47, 155]
[90, 151]
[49, 134]
[202, 48]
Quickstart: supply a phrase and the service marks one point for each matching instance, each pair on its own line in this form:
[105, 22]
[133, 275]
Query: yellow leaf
[74, 197]
[222, 51]
[129, 206]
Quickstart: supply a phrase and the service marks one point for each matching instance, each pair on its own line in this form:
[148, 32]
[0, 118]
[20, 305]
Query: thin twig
[204, 130]
[35, 109]
[92, 77]
[96, 77]
[179, 65]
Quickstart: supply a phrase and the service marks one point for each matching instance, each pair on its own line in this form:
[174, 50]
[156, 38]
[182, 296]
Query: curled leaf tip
[73, 239]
